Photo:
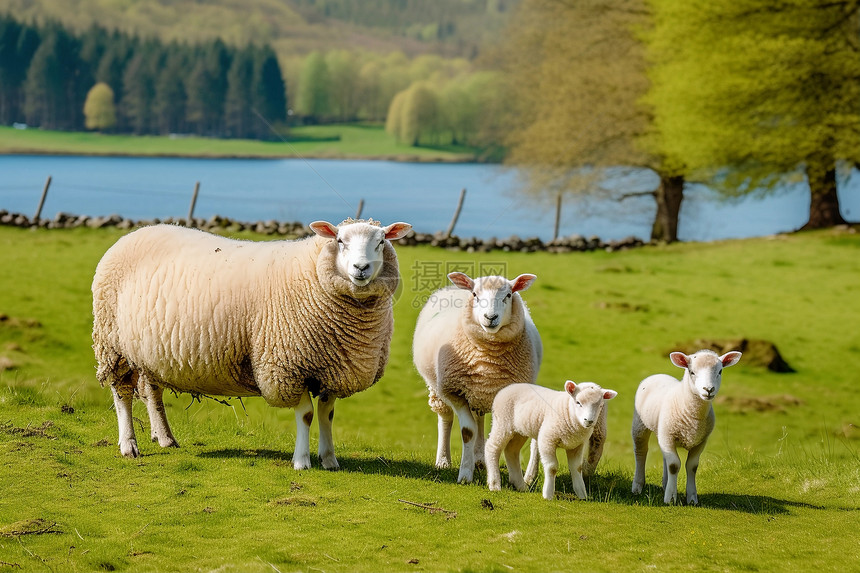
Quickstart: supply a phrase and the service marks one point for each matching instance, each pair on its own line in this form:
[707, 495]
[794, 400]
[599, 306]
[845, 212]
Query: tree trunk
[669, 195]
[824, 204]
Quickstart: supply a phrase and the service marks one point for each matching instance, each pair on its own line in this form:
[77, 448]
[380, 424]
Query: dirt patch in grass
[761, 353]
[14, 322]
[298, 501]
[28, 431]
[744, 404]
[7, 363]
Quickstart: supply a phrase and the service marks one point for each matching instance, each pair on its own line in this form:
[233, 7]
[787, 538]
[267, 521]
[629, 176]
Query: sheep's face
[360, 247]
[704, 370]
[492, 297]
[586, 401]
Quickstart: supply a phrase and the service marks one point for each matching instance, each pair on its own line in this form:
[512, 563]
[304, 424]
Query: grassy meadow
[779, 483]
[349, 141]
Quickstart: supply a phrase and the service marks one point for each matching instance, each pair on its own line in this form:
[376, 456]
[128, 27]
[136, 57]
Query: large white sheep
[193, 312]
[553, 420]
[471, 340]
[681, 414]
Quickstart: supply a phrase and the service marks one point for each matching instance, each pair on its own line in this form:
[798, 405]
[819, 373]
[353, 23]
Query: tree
[343, 84]
[207, 88]
[99, 108]
[313, 92]
[138, 88]
[414, 115]
[749, 92]
[170, 94]
[238, 117]
[577, 73]
[269, 98]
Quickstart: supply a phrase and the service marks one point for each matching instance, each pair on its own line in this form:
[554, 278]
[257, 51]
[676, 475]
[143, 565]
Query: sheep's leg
[480, 441]
[534, 458]
[493, 450]
[325, 411]
[122, 399]
[594, 446]
[550, 466]
[641, 436]
[304, 417]
[692, 467]
[512, 459]
[574, 464]
[671, 465]
[468, 431]
[159, 428]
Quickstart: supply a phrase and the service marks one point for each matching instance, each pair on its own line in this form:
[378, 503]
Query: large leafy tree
[99, 108]
[753, 92]
[577, 75]
[313, 93]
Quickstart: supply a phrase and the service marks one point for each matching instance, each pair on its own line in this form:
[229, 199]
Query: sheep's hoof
[443, 464]
[465, 476]
[494, 486]
[693, 501]
[330, 464]
[637, 488]
[303, 463]
[129, 449]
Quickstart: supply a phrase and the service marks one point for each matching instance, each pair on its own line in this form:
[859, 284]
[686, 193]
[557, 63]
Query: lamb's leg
[325, 410]
[123, 394]
[446, 420]
[594, 446]
[671, 465]
[480, 441]
[550, 466]
[641, 436]
[493, 451]
[534, 459]
[468, 431]
[692, 467]
[151, 394]
[512, 459]
[574, 464]
[304, 417]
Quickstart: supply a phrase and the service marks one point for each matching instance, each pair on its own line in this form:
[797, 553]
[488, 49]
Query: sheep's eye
[578, 403]
[507, 296]
[382, 242]
[474, 294]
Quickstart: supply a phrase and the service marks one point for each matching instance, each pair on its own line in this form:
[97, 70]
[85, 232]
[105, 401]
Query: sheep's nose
[361, 267]
[709, 390]
[491, 317]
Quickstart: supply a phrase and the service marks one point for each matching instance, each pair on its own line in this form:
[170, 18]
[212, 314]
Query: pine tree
[170, 94]
[138, 88]
[269, 98]
[238, 116]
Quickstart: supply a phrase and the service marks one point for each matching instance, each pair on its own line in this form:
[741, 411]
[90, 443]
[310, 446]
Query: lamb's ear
[396, 230]
[609, 394]
[461, 280]
[680, 359]
[570, 387]
[522, 282]
[324, 229]
[730, 358]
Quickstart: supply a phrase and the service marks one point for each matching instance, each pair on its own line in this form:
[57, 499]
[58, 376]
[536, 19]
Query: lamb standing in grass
[193, 312]
[681, 414]
[553, 420]
[472, 340]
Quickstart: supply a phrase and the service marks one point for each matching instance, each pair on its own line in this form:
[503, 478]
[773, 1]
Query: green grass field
[779, 483]
[321, 141]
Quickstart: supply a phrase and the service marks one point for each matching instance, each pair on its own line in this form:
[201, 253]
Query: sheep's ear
[522, 282]
[609, 394]
[396, 230]
[570, 387]
[324, 229]
[730, 358]
[680, 359]
[461, 280]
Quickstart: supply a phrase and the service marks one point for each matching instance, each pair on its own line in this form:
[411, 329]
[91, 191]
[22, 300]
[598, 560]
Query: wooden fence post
[557, 217]
[456, 214]
[42, 200]
[190, 220]
[360, 209]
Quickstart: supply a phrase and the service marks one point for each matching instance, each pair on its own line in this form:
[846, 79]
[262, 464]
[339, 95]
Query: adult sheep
[471, 340]
[194, 312]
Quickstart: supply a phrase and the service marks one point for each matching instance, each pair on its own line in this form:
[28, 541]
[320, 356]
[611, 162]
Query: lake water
[422, 194]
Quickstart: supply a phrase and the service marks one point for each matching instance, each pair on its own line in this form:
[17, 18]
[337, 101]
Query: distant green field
[779, 483]
[323, 141]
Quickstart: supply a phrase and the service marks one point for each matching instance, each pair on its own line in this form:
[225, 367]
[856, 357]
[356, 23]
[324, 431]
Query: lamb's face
[360, 247]
[705, 370]
[586, 401]
[492, 298]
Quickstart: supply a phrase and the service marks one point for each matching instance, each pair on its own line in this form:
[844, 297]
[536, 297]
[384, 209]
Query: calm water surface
[422, 194]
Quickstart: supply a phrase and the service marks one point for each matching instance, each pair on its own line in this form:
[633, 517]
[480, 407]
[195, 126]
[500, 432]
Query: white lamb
[472, 340]
[553, 420]
[681, 414]
[193, 312]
